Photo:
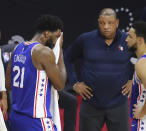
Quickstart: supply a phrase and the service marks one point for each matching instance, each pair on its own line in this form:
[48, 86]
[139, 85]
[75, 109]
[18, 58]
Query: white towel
[54, 108]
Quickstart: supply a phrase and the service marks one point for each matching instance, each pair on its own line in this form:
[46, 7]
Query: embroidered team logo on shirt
[120, 48]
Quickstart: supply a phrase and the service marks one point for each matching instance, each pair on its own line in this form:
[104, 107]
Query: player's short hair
[48, 22]
[140, 29]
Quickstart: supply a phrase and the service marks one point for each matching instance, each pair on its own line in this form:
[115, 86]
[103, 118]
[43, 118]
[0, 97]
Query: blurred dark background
[17, 16]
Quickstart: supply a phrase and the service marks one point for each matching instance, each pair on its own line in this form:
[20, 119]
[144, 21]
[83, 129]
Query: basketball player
[137, 40]
[30, 74]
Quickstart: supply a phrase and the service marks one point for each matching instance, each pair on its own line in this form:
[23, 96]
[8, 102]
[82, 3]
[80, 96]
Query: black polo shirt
[104, 68]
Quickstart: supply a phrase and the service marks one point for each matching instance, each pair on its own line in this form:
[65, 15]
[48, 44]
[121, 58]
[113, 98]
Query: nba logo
[120, 48]
[6, 56]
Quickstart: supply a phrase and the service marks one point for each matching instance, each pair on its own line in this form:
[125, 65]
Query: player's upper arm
[140, 68]
[46, 58]
[8, 72]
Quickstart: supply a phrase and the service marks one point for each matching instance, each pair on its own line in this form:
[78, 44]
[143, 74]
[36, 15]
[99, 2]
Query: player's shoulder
[140, 68]
[141, 60]
[141, 64]
[40, 51]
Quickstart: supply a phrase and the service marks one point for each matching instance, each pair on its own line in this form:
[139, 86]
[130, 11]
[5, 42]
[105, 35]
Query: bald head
[107, 12]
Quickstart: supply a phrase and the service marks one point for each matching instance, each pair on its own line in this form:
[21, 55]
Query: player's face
[108, 26]
[53, 38]
[131, 39]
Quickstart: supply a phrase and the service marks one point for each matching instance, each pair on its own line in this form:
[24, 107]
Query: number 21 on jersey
[19, 77]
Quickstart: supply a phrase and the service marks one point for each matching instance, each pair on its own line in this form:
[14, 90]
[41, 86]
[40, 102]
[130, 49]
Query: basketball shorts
[21, 122]
[138, 125]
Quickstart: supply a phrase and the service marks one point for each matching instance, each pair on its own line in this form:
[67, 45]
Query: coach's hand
[82, 89]
[127, 88]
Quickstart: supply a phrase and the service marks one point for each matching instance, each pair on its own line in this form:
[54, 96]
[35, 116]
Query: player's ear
[140, 39]
[46, 34]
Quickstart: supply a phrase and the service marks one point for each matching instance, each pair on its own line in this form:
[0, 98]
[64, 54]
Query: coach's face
[108, 26]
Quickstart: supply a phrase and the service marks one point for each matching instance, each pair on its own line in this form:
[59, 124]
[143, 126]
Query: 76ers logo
[120, 48]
